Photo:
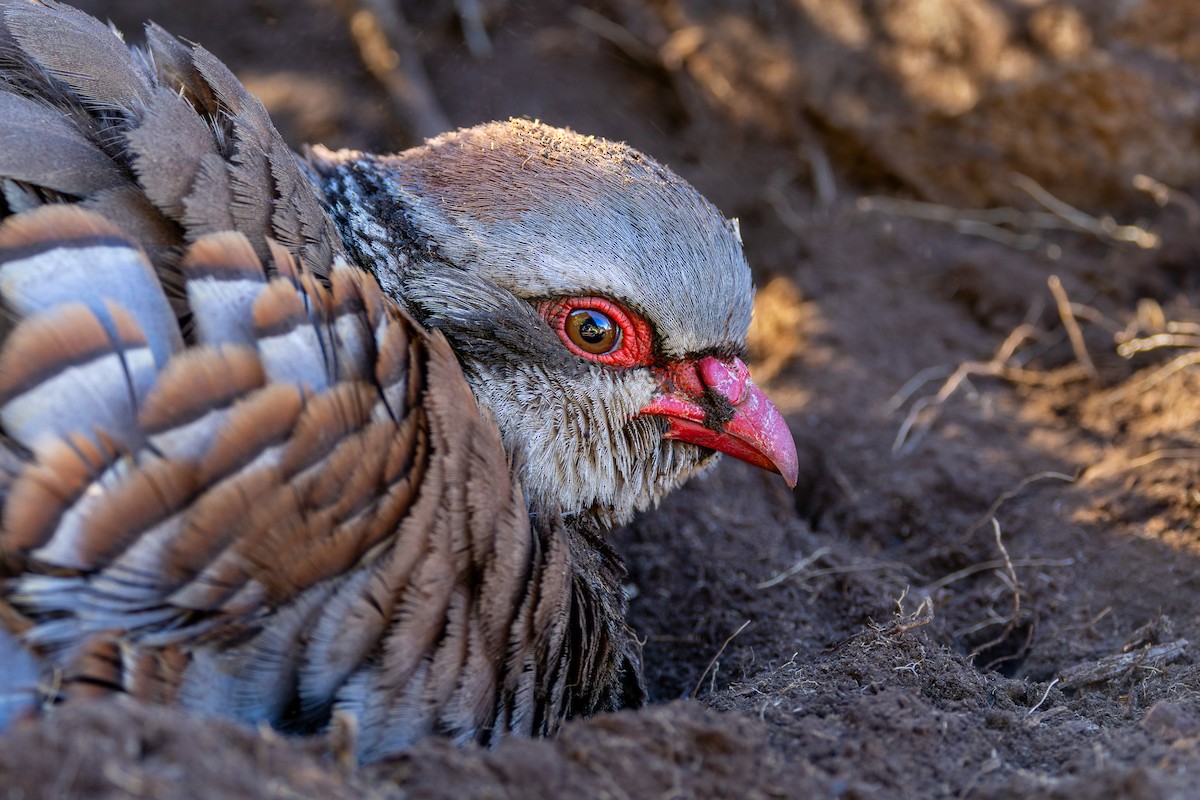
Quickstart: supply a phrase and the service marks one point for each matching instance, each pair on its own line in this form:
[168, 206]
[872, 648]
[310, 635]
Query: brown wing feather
[233, 474]
[167, 173]
[83, 114]
[353, 524]
[368, 525]
[39, 146]
[79, 51]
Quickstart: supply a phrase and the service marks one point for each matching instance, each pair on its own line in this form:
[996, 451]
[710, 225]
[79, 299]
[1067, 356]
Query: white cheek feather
[581, 444]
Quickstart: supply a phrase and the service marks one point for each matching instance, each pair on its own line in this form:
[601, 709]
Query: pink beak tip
[790, 471]
[781, 448]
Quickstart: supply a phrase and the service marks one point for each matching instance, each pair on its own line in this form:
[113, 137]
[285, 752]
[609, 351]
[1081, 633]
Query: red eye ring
[634, 344]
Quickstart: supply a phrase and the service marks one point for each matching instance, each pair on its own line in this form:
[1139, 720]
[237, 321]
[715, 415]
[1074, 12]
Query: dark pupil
[594, 328]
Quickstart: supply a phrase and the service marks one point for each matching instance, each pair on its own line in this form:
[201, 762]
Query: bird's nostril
[727, 378]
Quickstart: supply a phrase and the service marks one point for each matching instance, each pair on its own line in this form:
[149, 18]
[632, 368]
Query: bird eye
[600, 330]
[593, 331]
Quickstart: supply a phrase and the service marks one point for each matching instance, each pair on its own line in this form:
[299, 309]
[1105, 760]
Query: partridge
[288, 437]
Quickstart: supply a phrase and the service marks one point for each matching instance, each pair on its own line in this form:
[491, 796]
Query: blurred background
[773, 107]
[975, 229]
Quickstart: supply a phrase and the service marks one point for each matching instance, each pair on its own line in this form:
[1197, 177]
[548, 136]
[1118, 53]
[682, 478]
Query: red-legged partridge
[287, 436]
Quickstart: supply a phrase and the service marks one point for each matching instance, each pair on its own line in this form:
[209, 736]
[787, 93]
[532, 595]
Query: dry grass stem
[1105, 228]
[792, 219]
[1019, 229]
[470, 17]
[1004, 497]
[1145, 344]
[1160, 332]
[910, 387]
[1014, 585]
[1190, 328]
[842, 570]
[1153, 379]
[1103, 471]
[711, 663]
[987, 566]
[1067, 316]
[1045, 694]
[921, 616]
[1089, 314]
[823, 180]
[799, 566]
[1165, 195]
[615, 34]
[997, 367]
[992, 621]
[1091, 623]
[984, 223]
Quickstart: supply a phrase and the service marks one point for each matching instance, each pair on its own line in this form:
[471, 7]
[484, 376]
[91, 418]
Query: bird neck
[367, 207]
[604, 664]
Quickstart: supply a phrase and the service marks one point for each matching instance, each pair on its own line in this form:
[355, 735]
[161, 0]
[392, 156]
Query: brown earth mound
[987, 583]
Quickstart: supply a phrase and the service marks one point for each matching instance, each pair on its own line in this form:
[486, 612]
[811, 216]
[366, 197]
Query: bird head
[597, 303]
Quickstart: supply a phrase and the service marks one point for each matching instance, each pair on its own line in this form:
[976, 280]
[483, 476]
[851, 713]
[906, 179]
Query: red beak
[714, 404]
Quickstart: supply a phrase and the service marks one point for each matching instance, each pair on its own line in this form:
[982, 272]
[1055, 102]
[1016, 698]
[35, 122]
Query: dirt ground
[987, 582]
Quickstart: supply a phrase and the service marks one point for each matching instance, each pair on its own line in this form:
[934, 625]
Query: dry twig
[470, 17]
[986, 566]
[1102, 471]
[921, 616]
[1144, 344]
[1109, 667]
[984, 223]
[1160, 332]
[823, 180]
[820, 573]
[1158, 376]
[1165, 195]
[782, 206]
[1014, 228]
[615, 34]
[1000, 365]
[902, 395]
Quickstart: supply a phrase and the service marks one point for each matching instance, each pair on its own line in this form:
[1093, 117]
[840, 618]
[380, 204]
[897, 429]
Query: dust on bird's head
[544, 211]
